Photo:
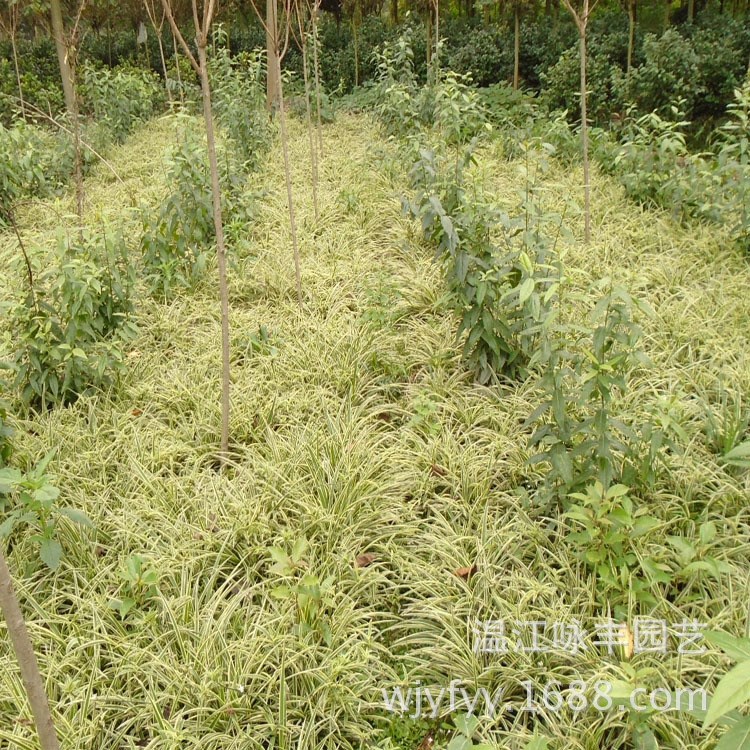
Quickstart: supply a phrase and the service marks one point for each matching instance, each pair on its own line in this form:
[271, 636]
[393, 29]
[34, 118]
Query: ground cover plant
[484, 479]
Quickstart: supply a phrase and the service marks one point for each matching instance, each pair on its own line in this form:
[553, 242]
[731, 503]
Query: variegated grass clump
[356, 427]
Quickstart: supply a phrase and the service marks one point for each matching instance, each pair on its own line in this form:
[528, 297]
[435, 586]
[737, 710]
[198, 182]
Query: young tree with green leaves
[66, 44]
[301, 12]
[9, 23]
[158, 25]
[581, 18]
[202, 22]
[279, 52]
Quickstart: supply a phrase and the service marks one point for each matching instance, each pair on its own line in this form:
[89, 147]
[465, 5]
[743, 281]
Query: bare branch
[178, 36]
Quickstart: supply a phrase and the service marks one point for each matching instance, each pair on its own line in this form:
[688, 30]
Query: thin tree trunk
[151, 11]
[516, 45]
[429, 38]
[585, 140]
[665, 19]
[273, 66]
[164, 66]
[66, 61]
[288, 175]
[18, 73]
[355, 39]
[58, 32]
[316, 68]
[631, 34]
[177, 69]
[308, 105]
[690, 11]
[30, 674]
[394, 12]
[437, 36]
[78, 168]
[220, 250]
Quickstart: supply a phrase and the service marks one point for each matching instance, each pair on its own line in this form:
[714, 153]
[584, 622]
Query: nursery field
[379, 505]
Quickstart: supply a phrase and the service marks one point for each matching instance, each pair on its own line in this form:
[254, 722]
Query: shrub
[504, 293]
[404, 106]
[486, 55]
[562, 85]
[733, 166]
[70, 329]
[120, 98]
[542, 43]
[655, 166]
[580, 440]
[21, 173]
[238, 99]
[458, 112]
[670, 72]
[653, 148]
[177, 237]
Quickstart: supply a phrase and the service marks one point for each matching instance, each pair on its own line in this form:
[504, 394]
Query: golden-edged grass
[355, 425]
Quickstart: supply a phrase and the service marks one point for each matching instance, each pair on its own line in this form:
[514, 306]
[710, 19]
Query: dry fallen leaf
[466, 572]
[136, 412]
[363, 560]
[627, 641]
[438, 471]
[428, 742]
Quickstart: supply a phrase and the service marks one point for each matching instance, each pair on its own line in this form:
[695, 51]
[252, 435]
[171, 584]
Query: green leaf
[644, 739]
[526, 290]
[7, 526]
[708, 532]
[281, 592]
[642, 525]
[737, 738]
[732, 691]
[47, 493]
[460, 743]
[734, 647]
[537, 743]
[738, 456]
[125, 606]
[51, 553]
[299, 549]
[76, 516]
[8, 479]
[41, 467]
[466, 724]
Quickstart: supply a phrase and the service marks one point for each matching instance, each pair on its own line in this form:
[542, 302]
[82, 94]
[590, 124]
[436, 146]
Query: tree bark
[516, 45]
[273, 78]
[316, 70]
[289, 196]
[220, 248]
[66, 60]
[437, 36]
[394, 12]
[311, 136]
[631, 34]
[18, 74]
[429, 37]
[177, 69]
[585, 139]
[30, 674]
[58, 31]
[690, 11]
